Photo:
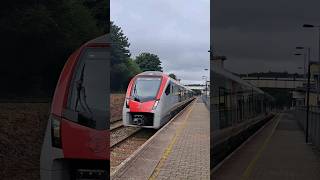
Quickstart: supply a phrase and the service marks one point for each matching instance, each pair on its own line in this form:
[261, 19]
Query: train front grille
[138, 120]
[142, 119]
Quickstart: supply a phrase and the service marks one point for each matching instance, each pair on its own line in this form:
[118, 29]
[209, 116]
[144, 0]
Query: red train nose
[135, 106]
[80, 142]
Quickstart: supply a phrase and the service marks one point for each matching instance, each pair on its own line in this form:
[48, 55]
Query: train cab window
[145, 88]
[167, 91]
[89, 96]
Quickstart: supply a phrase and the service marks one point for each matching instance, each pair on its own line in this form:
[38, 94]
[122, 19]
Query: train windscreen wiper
[81, 96]
[135, 95]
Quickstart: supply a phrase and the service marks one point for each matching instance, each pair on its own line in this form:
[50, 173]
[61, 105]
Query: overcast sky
[262, 35]
[178, 32]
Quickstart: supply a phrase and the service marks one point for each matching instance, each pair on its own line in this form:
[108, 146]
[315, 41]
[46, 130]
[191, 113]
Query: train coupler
[138, 120]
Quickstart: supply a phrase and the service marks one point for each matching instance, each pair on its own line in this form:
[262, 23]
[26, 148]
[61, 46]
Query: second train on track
[152, 99]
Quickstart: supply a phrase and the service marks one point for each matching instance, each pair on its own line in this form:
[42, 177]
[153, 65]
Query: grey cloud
[178, 32]
[263, 34]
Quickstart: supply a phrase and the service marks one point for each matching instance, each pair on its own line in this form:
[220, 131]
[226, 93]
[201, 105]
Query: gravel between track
[120, 134]
[22, 127]
[123, 150]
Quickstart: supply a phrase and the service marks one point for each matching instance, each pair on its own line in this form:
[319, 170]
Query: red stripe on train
[162, 86]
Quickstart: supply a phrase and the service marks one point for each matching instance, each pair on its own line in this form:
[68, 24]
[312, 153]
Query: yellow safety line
[168, 150]
[247, 173]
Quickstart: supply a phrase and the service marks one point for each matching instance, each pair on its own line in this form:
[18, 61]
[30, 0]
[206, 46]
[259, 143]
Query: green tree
[71, 33]
[148, 62]
[173, 76]
[133, 68]
[39, 37]
[123, 68]
[99, 9]
[120, 45]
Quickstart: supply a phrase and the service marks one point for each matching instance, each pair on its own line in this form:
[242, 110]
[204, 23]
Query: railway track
[116, 124]
[124, 141]
[120, 134]
[121, 150]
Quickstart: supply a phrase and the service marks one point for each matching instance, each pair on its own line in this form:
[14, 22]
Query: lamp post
[318, 27]
[206, 69]
[308, 107]
[304, 59]
[308, 88]
[205, 90]
[304, 72]
[308, 95]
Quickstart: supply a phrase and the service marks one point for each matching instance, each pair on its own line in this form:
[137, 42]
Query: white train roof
[159, 73]
[152, 73]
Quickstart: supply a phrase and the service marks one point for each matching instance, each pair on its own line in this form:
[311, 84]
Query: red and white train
[76, 143]
[152, 98]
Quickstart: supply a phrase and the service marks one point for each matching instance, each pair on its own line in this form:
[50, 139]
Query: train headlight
[155, 104]
[55, 132]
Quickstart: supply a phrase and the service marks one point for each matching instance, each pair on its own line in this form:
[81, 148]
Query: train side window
[174, 89]
[167, 91]
[171, 88]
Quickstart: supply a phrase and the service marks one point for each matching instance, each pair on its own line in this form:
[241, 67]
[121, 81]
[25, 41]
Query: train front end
[143, 103]
[76, 143]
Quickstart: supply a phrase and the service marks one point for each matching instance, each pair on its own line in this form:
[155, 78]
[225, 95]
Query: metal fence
[313, 123]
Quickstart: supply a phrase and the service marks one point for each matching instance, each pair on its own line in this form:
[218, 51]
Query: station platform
[179, 150]
[277, 151]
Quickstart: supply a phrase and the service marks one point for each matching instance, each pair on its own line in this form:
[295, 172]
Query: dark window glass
[176, 90]
[89, 98]
[145, 88]
[168, 89]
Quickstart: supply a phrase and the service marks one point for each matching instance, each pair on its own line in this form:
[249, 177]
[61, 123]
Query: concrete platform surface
[179, 151]
[277, 152]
